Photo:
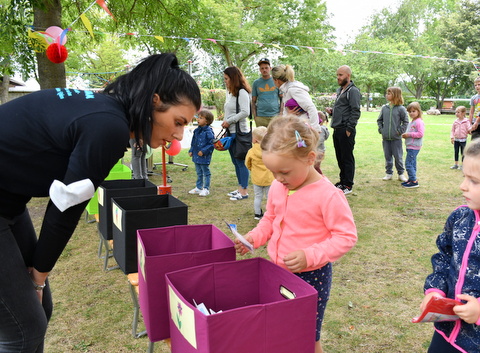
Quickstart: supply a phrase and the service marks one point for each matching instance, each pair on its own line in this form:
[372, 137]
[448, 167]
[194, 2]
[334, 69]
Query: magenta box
[264, 308]
[166, 249]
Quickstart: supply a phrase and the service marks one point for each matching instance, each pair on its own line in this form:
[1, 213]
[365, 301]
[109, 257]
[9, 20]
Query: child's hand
[405, 135]
[427, 298]
[190, 154]
[296, 261]
[452, 140]
[200, 153]
[469, 312]
[240, 248]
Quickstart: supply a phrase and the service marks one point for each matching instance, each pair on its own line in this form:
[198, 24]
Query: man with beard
[345, 115]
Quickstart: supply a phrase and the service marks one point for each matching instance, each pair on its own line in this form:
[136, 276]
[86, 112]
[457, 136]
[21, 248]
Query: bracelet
[38, 287]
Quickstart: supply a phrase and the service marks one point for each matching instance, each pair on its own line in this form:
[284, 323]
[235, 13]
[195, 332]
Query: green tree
[375, 72]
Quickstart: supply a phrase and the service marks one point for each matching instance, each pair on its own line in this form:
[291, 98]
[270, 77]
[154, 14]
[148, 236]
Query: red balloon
[57, 53]
[173, 148]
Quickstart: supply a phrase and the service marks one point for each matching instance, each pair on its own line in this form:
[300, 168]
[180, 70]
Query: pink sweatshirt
[460, 129]
[315, 218]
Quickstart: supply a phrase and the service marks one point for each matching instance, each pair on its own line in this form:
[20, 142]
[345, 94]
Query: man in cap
[265, 95]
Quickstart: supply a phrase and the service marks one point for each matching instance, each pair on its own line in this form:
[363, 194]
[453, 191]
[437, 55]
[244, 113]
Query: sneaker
[402, 177]
[259, 216]
[411, 184]
[233, 193]
[455, 166]
[338, 185]
[195, 191]
[405, 182]
[346, 189]
[387, 177]
[239, 197]
[204, 192]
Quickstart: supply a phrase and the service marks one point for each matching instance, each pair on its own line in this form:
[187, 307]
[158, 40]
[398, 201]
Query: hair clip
[300, 141]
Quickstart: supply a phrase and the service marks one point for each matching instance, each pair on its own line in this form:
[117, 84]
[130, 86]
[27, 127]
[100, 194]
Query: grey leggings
[24, 319]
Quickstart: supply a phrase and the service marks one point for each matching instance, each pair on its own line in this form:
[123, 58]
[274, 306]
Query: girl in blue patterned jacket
[456, 267]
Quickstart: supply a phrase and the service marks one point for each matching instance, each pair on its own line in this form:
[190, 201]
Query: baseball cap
[264, 61]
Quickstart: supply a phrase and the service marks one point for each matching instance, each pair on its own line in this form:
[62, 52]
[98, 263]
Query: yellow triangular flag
[87, 24]
[160, 38]
[39, 42]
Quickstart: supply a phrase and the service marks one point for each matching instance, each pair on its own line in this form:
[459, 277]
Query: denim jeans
[203, 176]
[241, 170]
[411, 164]
[23, 319]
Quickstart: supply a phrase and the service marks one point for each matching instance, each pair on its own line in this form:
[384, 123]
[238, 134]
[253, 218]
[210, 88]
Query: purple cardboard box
[162, 250]
[260, 307]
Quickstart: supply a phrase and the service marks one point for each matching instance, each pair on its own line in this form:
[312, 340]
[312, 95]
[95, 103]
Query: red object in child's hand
[438, 309]
[57, 53]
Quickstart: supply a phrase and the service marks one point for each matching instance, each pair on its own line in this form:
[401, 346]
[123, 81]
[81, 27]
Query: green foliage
[377, 101]
[323, 102]
[215, 98]
[465, 103]
[15, 54]
[425, 104]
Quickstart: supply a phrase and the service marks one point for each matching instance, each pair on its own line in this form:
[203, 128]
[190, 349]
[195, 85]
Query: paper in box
[167, 249]
[140, 212]
[118, 188]
[255, 317]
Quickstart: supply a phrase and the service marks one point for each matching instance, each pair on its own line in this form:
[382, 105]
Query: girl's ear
[311, 157]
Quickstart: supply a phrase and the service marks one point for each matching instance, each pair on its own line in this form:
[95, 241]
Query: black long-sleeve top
[62, 134]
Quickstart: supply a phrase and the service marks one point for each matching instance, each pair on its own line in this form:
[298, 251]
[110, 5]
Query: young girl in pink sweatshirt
[308, 223]
[458, 136]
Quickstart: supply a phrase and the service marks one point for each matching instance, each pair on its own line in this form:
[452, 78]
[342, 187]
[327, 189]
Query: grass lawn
[377, 287]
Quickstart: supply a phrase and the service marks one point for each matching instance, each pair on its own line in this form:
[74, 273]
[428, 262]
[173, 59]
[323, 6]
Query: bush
[214, 97]
[323, 102]
[425, 104]
[465, 103]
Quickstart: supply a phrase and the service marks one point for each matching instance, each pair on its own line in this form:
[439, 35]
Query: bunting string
[311, 49]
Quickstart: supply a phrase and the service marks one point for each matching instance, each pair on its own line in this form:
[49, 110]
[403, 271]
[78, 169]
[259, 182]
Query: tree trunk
[4, 89]
[50, 75]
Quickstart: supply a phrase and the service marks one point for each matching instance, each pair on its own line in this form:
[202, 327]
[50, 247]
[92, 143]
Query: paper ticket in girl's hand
[233, 228]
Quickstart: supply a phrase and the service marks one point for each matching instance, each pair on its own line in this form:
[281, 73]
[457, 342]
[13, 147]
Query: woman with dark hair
[63, 143]
[237, 109]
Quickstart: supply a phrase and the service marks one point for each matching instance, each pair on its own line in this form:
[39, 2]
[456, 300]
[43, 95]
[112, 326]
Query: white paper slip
[233, 228]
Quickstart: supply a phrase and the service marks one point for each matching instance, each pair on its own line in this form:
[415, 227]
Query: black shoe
[259, 216]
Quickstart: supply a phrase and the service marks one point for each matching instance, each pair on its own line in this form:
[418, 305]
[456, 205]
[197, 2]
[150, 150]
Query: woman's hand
[296, 111]
[240, 248]
[296, 261]
[38, 278]
[469, 312]
[225, 125]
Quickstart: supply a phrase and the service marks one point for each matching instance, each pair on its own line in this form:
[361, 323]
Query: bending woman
[63, 143]
[239, 91]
